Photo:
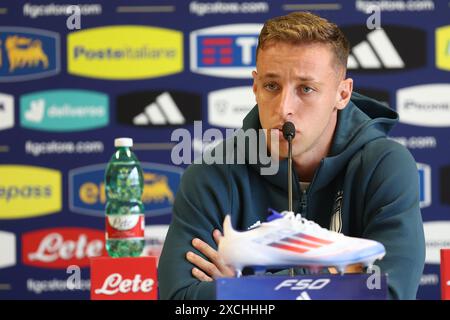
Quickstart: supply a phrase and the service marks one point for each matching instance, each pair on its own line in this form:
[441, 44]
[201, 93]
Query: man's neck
[306, 167]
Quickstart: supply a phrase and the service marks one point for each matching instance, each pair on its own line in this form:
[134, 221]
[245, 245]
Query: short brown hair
[305, 27]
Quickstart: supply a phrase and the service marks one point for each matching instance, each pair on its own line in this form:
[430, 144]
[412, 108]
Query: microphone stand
[291, 270]
[290, 174]
[289, 134]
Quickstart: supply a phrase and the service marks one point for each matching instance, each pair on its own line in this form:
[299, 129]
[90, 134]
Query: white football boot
[291, 241]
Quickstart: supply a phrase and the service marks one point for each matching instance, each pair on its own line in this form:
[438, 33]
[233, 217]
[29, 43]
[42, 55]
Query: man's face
[301, 84]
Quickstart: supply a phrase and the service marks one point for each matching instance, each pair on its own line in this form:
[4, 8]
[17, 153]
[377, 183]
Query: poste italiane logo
[87, 189]
[27, 54]
[64, 110]
[125, 52]
[443, 48]
[27, 191]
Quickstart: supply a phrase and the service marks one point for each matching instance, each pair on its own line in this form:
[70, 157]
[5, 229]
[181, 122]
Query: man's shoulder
[211, 172]
[387, 154]
[383, 147]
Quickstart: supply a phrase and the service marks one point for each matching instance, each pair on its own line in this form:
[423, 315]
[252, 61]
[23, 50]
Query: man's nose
[286, 105]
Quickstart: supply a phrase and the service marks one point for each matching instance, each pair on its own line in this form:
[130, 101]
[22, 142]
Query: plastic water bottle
[125, 221]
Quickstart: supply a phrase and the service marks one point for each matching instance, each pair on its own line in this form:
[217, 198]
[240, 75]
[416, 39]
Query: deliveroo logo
[64, 110]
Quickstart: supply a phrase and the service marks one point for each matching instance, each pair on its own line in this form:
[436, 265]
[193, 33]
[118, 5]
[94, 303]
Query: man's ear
[344, 93]
[254, 75]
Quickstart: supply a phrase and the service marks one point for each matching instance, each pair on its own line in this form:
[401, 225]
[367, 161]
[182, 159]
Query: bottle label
[129, 226]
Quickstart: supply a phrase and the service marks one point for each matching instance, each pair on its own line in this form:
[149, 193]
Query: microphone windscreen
[288, 130]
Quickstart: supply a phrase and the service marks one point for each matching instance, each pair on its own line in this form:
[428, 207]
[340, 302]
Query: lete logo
[60, 247]
[87, 189]
[115, 284]
[27, 54]
[124, 278]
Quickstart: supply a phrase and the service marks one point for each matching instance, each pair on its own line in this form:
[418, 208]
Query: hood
[361, 121]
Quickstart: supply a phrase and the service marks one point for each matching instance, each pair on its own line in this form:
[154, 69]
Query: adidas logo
[374, 53]
[162, 108]
[163, 111]
[303, 296]
[387, 49]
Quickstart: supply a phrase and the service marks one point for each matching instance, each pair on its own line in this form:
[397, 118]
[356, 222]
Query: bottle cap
[123, 142]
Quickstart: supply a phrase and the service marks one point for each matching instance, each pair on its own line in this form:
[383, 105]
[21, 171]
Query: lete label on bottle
[125, 227]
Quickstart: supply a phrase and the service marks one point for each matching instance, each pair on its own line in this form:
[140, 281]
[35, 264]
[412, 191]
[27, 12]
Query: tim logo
[159, 108]
[392, 48]
[424, 184]
[87, 189]
[27, 54]
[225, 51]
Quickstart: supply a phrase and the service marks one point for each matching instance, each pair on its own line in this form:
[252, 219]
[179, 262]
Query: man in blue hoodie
[348, 176]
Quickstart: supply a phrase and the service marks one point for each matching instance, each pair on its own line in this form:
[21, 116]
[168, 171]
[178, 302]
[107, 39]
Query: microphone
[289, 134]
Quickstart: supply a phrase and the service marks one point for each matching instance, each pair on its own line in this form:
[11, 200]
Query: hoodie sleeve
[200, 204]
[392, 216]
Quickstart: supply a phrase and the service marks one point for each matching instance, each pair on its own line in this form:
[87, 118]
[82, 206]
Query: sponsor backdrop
[145, 68]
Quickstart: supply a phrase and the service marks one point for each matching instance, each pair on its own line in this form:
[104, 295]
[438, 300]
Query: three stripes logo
[391, 48]
[299, 243]
[158, 109]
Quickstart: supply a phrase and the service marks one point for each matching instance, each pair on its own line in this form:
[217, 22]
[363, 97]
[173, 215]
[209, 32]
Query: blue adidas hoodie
[366, 187]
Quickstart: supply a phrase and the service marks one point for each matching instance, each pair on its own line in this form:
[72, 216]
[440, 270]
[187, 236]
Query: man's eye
[307, 89]
[271, 86]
